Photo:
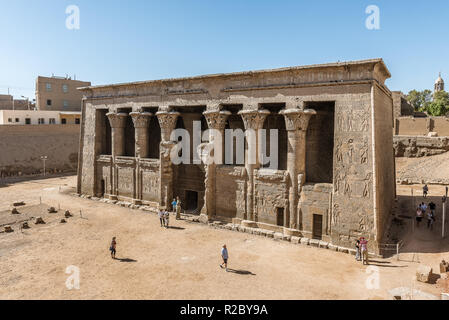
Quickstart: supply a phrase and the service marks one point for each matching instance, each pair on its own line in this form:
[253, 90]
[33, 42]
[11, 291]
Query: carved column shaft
[118, 124]
[296, 123]
[216, 120]
[167, 122]
[141, 121]
[253, 121]
[141, 125]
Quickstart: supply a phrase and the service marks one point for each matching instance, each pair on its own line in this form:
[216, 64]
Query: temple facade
[334, 179]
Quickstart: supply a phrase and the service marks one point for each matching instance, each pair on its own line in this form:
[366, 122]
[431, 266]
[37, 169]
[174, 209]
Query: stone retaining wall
[418, 146]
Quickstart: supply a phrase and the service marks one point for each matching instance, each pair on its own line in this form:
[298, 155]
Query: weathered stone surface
[295, 240]
[18, 204]
[324, 244]
[39, 220]
[342, 249]
[278, 236]
[423, 273]
[305, 241]
[314, 242]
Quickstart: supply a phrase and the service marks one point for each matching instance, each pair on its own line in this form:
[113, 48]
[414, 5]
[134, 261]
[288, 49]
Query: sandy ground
[428, 169]
[178, 263]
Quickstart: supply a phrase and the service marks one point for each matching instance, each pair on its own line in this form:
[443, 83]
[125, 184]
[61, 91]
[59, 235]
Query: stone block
[423, 273]
[39, 220]
[278, 236]
[324, 244]
[9, 229]
[286, 237]
[305, 241]
[314, 242]
[295, 240]
[333, 247]
[270, 234]
[342, 250]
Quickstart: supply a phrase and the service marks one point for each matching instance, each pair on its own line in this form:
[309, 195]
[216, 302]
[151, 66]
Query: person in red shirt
[364, 249]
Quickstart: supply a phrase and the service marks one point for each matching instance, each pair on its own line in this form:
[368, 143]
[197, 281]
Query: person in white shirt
[161, 217]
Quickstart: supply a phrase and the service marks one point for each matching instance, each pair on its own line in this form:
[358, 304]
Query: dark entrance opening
[191, 200]
[320, 143]
[317, 227]
[102, 188]
[280, 217]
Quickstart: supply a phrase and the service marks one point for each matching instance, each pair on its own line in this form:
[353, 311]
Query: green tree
[420, 100]
[440, 104]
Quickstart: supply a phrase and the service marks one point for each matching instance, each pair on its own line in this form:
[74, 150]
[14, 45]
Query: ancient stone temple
[334, 178]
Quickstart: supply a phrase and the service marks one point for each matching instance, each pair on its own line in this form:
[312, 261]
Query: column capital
[254, 119]
[167, 122]
[216, 119]
[117, 120]
[141, 119]
[296, 119]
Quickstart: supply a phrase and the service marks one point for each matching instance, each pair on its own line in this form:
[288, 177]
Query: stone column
[216, 120]
[141, 122]
[167, 122]
[253, 121]
[118, 124]
[296, 123]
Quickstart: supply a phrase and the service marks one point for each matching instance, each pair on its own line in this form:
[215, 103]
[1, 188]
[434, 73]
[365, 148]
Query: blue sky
[123, 41]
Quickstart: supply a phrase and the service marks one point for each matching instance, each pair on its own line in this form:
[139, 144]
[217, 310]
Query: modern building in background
[34, 117]
[59, 93]
[7, 102]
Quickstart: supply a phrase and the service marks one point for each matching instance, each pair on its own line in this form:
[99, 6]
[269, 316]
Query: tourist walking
[174, 205]
[357, 250]
[364, 249]
[178, 209]
[423, 208]
[225, 257]
[430, 220]
[113, 247]
[162, 217]
[419, 216]
[167, 219]
[432, 207]
[425, 190]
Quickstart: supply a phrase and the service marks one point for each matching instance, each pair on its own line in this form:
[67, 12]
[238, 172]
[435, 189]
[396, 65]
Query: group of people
[361, 253]
[429, 214]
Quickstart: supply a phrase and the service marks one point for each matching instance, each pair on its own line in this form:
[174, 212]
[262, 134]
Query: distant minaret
[439, 84]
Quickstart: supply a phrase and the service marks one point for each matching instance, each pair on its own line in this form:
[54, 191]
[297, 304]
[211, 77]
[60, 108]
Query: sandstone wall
[416, 146]
[410, 126]
[22, 146]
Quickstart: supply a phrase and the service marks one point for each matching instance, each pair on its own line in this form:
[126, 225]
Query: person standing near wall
[178, 209]
[364, 249]
[425, 190]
